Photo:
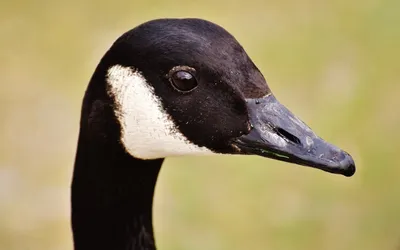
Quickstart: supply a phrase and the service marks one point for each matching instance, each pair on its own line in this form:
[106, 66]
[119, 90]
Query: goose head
[173, 87]
[187, 87]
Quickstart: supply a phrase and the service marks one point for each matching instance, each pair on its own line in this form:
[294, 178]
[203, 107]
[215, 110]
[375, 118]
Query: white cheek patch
[148, 132]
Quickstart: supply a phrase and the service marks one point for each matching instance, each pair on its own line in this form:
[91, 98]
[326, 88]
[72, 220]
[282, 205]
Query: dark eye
[183, 81]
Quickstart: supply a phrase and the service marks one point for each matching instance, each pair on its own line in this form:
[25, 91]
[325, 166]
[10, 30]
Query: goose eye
[183, 81]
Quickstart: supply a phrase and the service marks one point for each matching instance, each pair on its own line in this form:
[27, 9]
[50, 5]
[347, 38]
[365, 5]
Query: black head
[186, 86]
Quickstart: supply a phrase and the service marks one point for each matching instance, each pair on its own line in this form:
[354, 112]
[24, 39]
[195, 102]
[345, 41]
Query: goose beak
[278, 134]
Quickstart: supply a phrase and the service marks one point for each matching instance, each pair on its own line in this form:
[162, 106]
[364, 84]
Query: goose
[172, 87]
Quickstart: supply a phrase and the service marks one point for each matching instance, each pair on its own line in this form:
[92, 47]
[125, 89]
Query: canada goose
[174, 87]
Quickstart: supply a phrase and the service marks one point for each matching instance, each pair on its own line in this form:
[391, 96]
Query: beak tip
[348, 166]
[350, 171]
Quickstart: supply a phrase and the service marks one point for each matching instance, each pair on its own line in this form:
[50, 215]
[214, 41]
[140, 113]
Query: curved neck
[112, 196]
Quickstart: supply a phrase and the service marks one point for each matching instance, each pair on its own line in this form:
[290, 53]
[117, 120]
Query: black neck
[112, 194]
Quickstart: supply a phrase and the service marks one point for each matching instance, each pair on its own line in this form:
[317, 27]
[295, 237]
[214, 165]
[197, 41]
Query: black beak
[276, 133]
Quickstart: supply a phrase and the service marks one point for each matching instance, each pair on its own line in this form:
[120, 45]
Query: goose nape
[173, 87]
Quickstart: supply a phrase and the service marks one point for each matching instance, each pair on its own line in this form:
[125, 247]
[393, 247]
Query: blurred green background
[335, 64]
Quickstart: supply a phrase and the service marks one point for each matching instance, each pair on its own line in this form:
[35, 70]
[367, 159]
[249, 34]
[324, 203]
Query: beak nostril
[286, 135]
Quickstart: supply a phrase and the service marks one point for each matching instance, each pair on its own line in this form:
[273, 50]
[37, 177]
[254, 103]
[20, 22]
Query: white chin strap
[148, 132]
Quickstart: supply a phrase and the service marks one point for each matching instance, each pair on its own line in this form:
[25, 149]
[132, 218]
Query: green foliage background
[333, 63]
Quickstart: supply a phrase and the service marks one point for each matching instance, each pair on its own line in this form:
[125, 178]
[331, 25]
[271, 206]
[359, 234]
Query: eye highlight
[183, 80]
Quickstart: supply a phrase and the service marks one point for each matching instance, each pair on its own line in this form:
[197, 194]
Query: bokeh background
[333, 63]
